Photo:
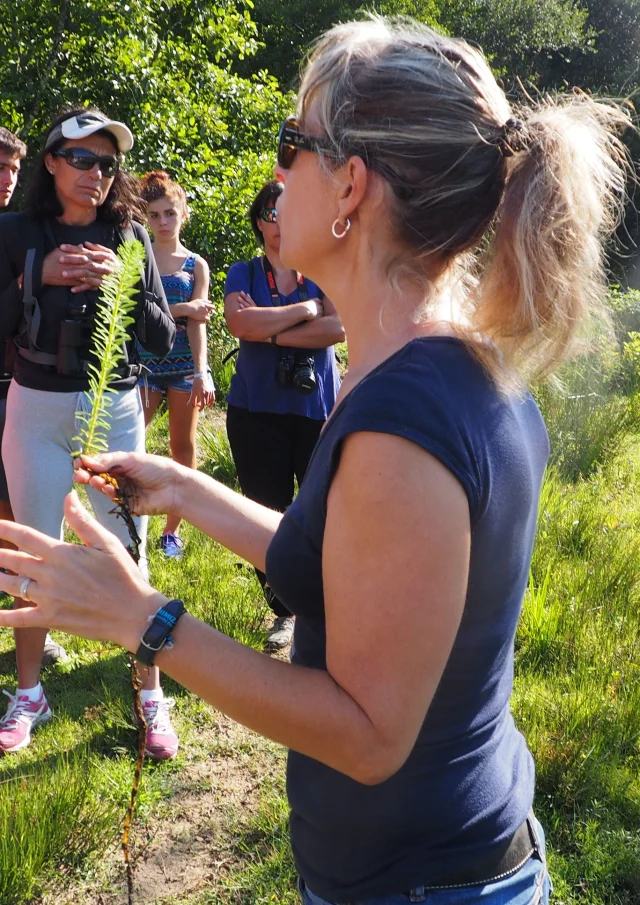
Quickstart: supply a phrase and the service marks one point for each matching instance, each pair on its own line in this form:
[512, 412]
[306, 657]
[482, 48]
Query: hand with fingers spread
[95, 591]
[152, 482]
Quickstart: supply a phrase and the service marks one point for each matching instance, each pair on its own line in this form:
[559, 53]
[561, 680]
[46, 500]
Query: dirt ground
[187, 846]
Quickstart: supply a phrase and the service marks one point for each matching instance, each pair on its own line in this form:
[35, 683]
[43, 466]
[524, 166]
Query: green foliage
[163, 67]
[52, 817]
[517, 35]
[110, 333]
[217, 459]
[609, 60]
[577, 696]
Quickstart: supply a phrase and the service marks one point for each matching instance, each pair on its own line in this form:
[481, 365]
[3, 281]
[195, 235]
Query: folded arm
[316, 334]
[248, 321]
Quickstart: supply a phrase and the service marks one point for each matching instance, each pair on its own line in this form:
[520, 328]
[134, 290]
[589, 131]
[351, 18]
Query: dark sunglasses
[291, 140]
[82, 159]
[269, 215]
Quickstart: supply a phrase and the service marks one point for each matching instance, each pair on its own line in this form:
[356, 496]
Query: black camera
[74, 337]
[297, 369]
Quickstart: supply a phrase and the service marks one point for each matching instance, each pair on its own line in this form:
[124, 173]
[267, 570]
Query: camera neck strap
[303, 290]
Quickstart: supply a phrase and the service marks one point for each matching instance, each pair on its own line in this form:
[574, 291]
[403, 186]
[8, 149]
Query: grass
[62, 799]
[576, 698]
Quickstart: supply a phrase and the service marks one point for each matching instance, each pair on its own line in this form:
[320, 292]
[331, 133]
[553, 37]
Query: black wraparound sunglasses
[83, 159]
[291, 140]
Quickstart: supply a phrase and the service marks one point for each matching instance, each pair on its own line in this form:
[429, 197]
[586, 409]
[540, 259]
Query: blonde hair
[540, 192]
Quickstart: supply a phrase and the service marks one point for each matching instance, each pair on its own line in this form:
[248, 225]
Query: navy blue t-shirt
[254, 386]
[468, 783]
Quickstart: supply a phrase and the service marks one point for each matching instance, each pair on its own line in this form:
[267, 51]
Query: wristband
[158, 635]
[199, 374]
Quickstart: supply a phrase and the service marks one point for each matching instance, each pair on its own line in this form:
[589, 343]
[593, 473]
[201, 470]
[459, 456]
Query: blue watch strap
[158, 634]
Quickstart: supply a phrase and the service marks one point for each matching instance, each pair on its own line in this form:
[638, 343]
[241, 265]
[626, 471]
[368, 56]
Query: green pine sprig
[110, 333]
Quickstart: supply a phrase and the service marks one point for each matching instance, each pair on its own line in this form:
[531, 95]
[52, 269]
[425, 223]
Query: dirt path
[188, 846]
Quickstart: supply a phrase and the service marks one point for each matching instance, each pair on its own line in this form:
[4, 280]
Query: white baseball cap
[85, 124]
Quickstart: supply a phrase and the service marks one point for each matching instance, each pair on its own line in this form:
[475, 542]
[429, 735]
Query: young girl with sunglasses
[266, 411]
[406, 554]
[183, 375]
[80, 206]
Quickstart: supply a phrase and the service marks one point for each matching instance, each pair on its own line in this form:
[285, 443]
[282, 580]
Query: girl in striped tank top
[183, 376]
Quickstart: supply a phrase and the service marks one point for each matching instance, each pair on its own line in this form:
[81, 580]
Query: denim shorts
[159, 384]
[530, 885]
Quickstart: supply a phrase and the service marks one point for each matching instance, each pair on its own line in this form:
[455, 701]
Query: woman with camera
[80, 207]
[286, 379]
[406, 554]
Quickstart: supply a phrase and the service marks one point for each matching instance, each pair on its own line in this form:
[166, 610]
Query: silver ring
[24, 587]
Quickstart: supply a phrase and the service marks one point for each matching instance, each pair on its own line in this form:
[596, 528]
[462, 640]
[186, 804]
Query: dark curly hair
[266, 197]
[120, 207]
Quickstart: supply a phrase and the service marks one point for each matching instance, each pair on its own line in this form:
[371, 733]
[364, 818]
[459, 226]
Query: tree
[517, 35]
[611, 59]
[163, 67]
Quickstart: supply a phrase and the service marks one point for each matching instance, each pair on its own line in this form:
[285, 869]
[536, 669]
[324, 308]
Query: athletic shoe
[21, 717]
[172, 546]
[162, 741]
[52, 652]
[281, 633]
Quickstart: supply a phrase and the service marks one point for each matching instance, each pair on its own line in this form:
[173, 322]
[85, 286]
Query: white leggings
[36, 451]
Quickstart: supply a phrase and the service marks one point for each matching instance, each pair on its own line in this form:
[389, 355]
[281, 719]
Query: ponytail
[544, 278]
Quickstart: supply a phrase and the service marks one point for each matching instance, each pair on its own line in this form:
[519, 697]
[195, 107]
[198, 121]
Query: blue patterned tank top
[178, 287]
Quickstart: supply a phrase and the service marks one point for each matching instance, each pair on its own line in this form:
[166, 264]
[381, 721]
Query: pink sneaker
[162, 742]
[21, 717]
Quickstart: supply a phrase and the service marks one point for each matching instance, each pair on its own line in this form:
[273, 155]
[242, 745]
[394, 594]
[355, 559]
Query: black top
[154, 326]
[468, 783]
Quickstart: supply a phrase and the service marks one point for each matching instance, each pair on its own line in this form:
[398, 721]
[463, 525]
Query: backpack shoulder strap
[35, 250]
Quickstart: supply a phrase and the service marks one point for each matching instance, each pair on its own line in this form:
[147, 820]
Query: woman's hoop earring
[336, 223]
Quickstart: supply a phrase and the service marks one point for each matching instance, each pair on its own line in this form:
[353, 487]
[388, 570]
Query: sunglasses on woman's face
[291, 140]
[269, 215]
[83, 159]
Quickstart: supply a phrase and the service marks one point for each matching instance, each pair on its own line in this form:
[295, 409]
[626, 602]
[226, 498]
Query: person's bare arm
[201, 395]
[317, 334]
[248, 321]
[198, 308]
[397, 536]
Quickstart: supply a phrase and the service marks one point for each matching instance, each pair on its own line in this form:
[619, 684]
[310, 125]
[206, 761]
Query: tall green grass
[53, 816]
[577, 691]
[60, 813]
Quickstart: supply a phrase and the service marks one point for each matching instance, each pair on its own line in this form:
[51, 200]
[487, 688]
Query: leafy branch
[113, 318]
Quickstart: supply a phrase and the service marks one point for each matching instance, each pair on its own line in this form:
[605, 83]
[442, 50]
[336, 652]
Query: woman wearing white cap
[80, 207]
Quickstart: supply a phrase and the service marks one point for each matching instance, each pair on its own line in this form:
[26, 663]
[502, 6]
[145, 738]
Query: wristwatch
[158, 635]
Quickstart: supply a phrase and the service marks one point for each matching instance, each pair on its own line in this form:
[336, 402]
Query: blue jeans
[530, 885]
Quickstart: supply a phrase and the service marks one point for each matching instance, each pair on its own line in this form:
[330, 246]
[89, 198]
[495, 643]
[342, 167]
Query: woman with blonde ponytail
[406, 553]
